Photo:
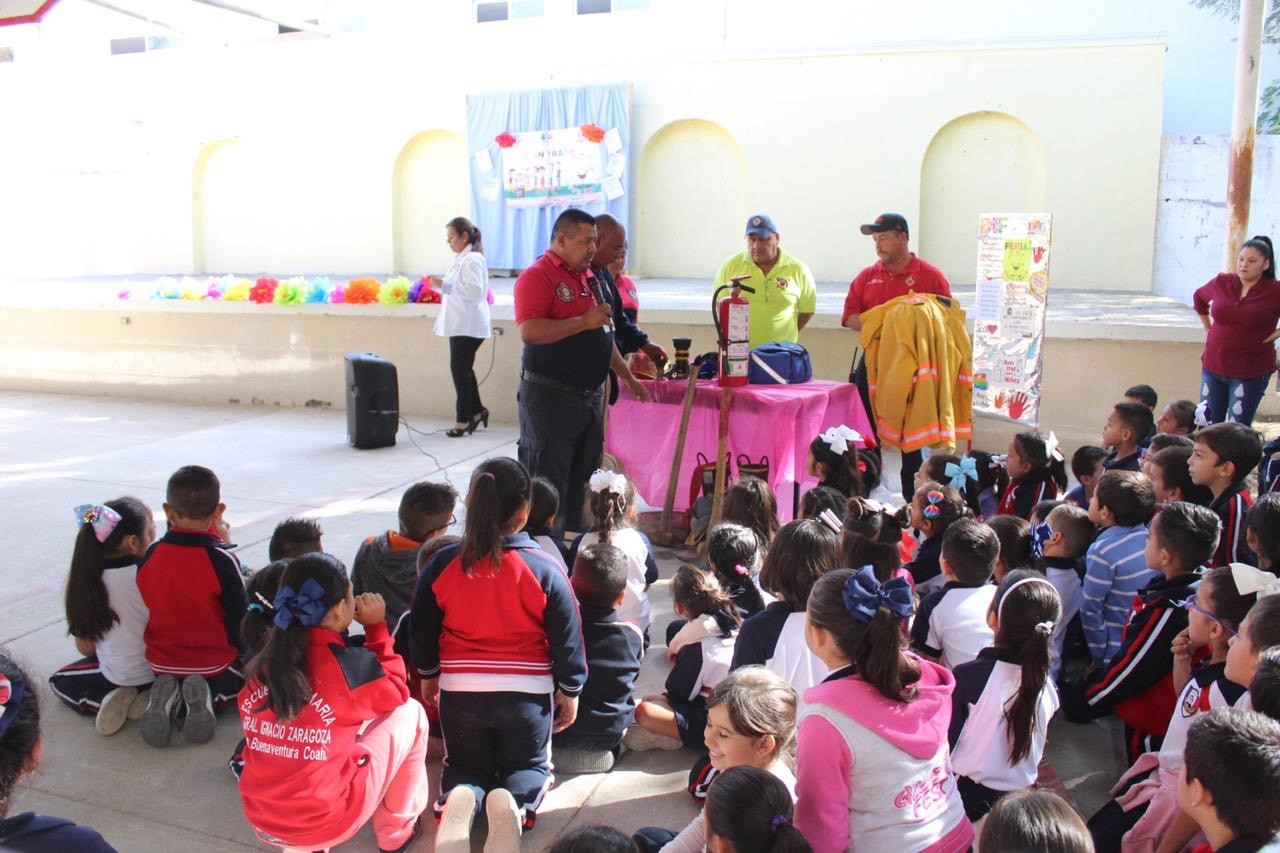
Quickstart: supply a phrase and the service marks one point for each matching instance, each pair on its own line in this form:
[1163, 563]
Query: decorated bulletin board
[1010, 304]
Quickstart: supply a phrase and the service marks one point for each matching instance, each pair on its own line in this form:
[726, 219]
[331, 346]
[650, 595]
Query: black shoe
[483, 417]
[458, 433]
[163, 705]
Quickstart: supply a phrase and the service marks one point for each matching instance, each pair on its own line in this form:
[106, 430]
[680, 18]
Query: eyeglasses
[1190, 604]
[453, 519]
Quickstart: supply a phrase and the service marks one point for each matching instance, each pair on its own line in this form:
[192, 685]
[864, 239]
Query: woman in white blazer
[464, 320]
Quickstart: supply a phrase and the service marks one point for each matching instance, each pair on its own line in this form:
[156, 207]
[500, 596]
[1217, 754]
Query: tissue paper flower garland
[296, 290]
[395, 291]
[361, 291]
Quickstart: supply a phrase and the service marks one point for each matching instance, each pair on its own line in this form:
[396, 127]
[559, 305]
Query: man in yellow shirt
[784, 297]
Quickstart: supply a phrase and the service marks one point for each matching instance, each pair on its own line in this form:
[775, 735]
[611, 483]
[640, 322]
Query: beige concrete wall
[262, 355]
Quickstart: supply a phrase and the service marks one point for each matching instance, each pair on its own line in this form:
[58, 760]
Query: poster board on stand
[1010, 304]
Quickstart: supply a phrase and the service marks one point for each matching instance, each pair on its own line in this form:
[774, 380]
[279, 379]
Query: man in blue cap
[784, 298]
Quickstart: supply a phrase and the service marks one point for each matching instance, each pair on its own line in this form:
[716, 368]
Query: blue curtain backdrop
[515, 237]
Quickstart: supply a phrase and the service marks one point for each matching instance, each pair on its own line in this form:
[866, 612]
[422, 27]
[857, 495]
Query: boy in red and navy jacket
[1223, 456]
[1137, 684]
[193, 589]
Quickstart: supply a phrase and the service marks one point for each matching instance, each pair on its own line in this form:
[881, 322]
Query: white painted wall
[1191, 215]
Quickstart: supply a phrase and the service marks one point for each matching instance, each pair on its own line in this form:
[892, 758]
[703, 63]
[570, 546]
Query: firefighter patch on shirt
[782, 284]
[911, 281]
[565, 293]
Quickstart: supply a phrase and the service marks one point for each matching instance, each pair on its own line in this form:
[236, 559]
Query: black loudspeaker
[373, 401]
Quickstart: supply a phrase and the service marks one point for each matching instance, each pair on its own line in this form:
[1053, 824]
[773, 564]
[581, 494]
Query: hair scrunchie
[102, 518]
[864, 595]
[10, 701]
[778, 820]
[931, 506]
[306, 605]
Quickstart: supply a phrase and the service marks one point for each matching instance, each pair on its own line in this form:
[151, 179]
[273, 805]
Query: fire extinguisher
[732, 318]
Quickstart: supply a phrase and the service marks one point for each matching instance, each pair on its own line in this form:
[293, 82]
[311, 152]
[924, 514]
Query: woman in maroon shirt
[1239, 311]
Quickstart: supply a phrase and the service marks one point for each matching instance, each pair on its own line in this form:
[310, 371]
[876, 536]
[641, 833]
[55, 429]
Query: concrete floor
[60, 451]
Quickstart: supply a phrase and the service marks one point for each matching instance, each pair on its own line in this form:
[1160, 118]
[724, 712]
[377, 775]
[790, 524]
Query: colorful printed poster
[546, 167]
[1008, 320]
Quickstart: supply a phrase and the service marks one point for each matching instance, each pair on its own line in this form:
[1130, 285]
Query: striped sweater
[1232, 508]
[1115, 569]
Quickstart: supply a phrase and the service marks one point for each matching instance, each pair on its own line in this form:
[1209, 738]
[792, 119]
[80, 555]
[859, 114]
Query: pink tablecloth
[777, 421]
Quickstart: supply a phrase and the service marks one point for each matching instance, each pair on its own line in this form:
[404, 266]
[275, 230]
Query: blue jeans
[1232, 399]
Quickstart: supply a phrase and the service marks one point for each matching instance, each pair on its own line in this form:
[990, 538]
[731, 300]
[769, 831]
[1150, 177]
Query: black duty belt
[546, 382]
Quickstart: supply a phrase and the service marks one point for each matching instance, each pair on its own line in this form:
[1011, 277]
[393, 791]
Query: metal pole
[1244, 120]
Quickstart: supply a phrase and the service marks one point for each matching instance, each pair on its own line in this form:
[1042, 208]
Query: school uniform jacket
[387, 565]
[774, 638]
[1138, 683]
[614, 650]
[703, 651]
[1023, 493]
[919, 371]
[511, 626]
[301, 776]
[29, 832]
[1115, 462]
[951, 623]
[1232, 509]
[193, 590]
[642, 570]
[926, 564]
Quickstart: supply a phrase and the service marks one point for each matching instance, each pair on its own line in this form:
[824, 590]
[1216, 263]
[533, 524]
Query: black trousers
[562, 439]
[911, 461]
[462, 360]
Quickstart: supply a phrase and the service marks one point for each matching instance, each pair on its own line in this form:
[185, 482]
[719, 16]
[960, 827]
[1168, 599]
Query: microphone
[598, 292]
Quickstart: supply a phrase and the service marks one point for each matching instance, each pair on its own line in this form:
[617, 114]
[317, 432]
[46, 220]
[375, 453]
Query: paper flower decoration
[237, 291]
[167, 288]
[192, 295]
[337, 294]
[318, 290]
[123, 294]
[213, 290]
[592, 132]
[504, 140]
[263, 291]
[291, 291]
[361, 291]
[395, 291]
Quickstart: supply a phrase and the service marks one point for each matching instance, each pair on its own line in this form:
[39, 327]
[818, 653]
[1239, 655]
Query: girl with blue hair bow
[332, 736]
[872, 757]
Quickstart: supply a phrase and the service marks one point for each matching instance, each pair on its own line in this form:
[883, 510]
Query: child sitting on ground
[822, 497]
[1115, 565]
[614, 651]
[495, 615]
[385, 564]
[106, 616]
[1170, 475]
[993, 479]
[958, 472]
[876, 727]
[1126, 427]
[1003, 701]
[543, 507]
[294, 537]
[1086, 467]
[1036, 473]
[1231, 756]
[195, 600]
[1061, 543]
[1223, 457]
[261, 589]
[21, 747]
[701, 651]
[1145, 808]
[1143, 395]
[1137, 683]
[873, 537]
[934, 508]
[1259, 631]
[733, 555]
[804, 551]
[612, 503]
[1015, 544]
[833, 459]
[1034, 819]
[1163, 441]
[751, 720]
[1262, 532]
[951, 625]
[751, 503]
[364, 742]
[1178, 418]
[751, 810]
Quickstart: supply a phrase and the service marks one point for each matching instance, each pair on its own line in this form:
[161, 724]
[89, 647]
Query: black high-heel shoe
[458, 433]
[483, 417]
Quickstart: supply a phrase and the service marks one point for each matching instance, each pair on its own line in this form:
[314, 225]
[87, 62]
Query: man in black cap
[784, 298]
[897, 273]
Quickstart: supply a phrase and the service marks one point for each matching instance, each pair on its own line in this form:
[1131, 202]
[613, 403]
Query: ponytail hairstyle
[88, 607]
[751, 503]
[991, 475]
[1027, 608]
[822, 497]
[959, 472]
[940, 506]
[699, 593]
[463, 227]
[872, 536]
[864, 617]
[842, 468]
[760, 703]
[804, 551]
[611, 493]
[500, 488]
[310, 586]
[261, 590]
[752, 810]
[19, 726]
[733, 552]
[1262, 245]
[1034, 447]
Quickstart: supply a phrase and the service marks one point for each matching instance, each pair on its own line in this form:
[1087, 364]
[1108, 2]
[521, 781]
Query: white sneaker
[638, 739]
[453, 835]
[505, 824]
[114, 710]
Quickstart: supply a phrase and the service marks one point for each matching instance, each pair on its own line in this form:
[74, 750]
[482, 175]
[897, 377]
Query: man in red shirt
[897, 273]
[565, 322]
